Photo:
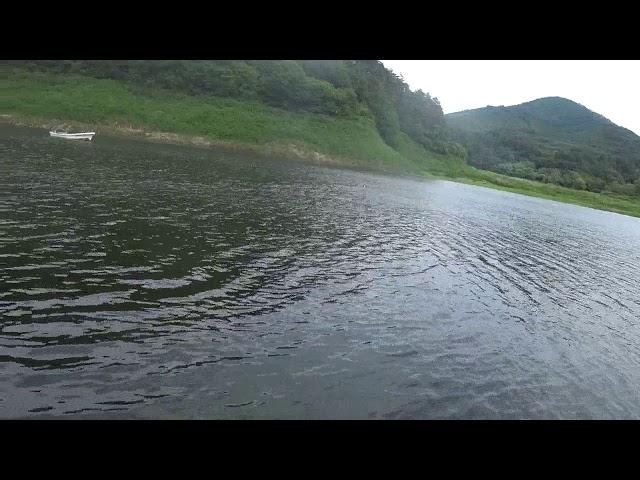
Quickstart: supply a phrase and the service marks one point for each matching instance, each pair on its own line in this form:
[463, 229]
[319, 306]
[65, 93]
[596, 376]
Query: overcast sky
[608, 87]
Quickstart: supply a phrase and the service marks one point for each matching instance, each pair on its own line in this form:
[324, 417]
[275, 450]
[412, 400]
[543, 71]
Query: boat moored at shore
[73, 136]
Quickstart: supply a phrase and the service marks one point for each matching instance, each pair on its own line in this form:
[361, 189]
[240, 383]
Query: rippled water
[152, 281]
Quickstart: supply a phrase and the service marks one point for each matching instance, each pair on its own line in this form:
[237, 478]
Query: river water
[140, 280]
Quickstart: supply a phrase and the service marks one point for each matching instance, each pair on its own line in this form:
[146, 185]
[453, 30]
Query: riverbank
[291, 151]
[46, 101]
[624, 205]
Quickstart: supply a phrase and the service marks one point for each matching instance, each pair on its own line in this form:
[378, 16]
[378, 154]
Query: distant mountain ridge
[556, 111]
[551, 139]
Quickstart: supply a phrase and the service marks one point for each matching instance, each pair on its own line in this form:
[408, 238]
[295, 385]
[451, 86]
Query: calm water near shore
[142, 280]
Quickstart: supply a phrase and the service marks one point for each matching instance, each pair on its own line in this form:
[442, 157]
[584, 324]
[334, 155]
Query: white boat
[73, 136]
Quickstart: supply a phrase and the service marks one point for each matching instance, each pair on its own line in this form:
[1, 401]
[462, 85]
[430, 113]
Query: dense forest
[553, 140]
[345, 88]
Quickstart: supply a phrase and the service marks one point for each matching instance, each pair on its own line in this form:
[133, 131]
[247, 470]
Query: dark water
[150, 281]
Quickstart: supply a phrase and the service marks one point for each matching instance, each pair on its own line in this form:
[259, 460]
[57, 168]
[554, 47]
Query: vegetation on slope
[552, 140]
[349, 140]
[338, 88]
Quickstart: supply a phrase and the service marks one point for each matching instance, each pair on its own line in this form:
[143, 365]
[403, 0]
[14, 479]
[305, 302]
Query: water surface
[151, 281]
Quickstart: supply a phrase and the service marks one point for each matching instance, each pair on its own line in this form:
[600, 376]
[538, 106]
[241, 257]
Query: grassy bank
[39, 99]
[610, 202]
[106, 103]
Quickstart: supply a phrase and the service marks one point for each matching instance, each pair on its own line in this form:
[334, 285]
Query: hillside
[553, 140]
[357, 112]
[354, 114]
[337, 88]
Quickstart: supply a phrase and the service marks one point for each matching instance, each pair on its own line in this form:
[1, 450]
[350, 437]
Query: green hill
[553, 140]
[356, 112]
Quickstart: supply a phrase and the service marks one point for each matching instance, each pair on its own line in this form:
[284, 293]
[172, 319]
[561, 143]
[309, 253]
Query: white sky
[608, 87]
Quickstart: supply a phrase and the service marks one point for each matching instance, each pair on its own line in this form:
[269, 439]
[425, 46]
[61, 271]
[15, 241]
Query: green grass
[614, 203]
[351, 142]
[106, 102]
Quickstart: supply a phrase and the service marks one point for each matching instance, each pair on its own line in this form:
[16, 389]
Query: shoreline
[289, 150]
[298, 152]
[302, 153]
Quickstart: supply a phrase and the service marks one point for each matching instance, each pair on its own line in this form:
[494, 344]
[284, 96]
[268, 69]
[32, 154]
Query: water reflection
[150, 280]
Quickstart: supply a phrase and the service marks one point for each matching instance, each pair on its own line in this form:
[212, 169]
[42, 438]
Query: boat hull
[74, 136]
